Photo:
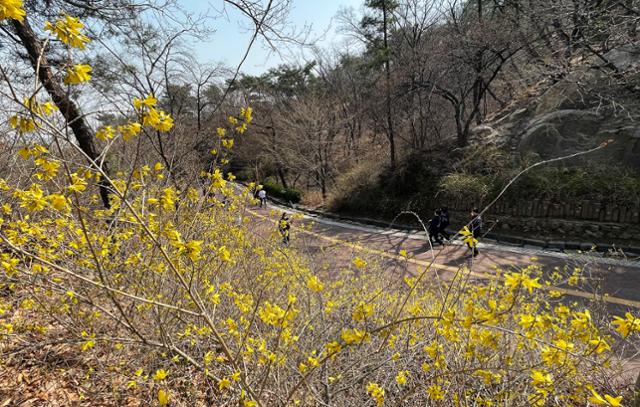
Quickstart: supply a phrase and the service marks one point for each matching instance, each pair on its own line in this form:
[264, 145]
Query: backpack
[434, 223]
[444, 220]
[476, 225]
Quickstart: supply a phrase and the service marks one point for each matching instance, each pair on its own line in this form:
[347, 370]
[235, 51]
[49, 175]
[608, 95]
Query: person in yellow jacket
[475, 226]
[284, 227]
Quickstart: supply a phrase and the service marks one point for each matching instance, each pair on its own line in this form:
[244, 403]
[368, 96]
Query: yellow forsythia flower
[157, 119]
[363, 311]
[160, 374]
[78, 184]
[359, 263]
[149, 101]
[224, 254]
[77, 74]
[376, 392]
[67, 29]
[597, 399]
[613, 401]
[627, 325]
[333, 348]
[246, 114]
[43, 109]
[163, 397]
[350, 336]
[12, 9]
[314, 284]
[58, 202]
[105, 133]
[224, 384]
[401, 377]
[540, 378]
[435, 393]
[530, 284]
[130, 130]
[227, 143]
[23, 124]
[165, 122]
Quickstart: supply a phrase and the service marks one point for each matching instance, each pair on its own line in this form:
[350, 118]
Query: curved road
[614, 281]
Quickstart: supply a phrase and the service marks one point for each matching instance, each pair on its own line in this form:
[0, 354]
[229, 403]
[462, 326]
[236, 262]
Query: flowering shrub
[194, 300]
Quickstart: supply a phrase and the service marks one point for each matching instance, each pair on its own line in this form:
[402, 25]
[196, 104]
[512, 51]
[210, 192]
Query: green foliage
[285, 80]
[375, 191]
[355, 190]
[594, 182]
[375, 25]
[278, 191]
[465, 186]
[371, 191]
[485, 160]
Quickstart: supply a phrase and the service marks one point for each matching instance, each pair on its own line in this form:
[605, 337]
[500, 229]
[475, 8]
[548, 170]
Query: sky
[232, 36]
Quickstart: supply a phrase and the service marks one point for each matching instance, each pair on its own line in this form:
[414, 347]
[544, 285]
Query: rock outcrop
[592, 104]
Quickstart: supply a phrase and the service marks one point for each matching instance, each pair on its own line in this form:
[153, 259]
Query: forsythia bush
[194, 300]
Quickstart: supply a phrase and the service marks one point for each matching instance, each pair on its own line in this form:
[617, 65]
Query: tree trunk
[277, 158]
[460, 127]
[387, 68]
[199, 111]
[283, 179]
[76, 121]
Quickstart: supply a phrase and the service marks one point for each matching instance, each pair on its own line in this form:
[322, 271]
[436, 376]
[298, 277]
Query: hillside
[590, 199]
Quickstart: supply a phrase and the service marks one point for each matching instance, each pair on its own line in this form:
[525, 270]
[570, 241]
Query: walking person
[284, 227]
[476, 230]
[434, 228]
[444, 223]
[262, 196]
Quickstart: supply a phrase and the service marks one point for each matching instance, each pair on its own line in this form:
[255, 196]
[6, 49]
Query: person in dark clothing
[284, 227]
[475, 226]
[434, 228]
[444, 223]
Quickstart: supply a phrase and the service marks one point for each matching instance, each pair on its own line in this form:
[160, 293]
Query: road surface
[615, 281]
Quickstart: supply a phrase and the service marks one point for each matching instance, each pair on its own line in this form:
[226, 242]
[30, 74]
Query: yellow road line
[395, 256]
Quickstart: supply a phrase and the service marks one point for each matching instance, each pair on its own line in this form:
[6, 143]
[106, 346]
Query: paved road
[615, 281]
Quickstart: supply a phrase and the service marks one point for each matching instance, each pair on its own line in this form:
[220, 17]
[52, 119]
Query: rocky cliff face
[591, 104]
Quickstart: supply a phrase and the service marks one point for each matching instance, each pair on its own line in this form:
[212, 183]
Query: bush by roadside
[278, 191]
